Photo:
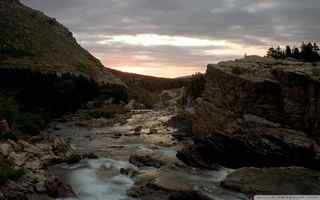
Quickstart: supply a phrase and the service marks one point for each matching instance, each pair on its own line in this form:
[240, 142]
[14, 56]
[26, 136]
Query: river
[142, 133]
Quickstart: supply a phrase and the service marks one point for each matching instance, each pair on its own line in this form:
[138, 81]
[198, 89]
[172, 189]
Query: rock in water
[265, 147]
[274, 181]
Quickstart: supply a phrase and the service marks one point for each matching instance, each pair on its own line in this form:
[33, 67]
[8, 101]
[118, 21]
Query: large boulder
[259, 147]
[274, 181]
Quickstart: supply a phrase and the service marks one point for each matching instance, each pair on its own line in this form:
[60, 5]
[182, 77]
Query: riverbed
[111, 176]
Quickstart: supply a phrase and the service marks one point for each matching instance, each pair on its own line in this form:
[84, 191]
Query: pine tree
[296, 53]
[271, 52]
[288, 52]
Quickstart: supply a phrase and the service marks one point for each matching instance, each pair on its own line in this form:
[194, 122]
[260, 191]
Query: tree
[288, 52]
[271, 52]
[308, 52]
[296, 53]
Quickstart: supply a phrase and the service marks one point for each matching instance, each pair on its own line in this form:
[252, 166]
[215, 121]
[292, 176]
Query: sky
[171, 38]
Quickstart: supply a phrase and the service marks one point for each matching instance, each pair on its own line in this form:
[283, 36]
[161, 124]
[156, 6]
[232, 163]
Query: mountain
[29, 39]
[44, 68]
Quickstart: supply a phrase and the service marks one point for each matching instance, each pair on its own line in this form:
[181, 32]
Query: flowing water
[100, 179]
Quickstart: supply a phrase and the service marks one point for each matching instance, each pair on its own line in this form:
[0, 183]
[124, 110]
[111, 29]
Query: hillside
[29, 39]
[44, 72]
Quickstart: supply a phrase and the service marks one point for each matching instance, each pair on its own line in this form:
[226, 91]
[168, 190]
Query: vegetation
[195, 87]
[308, 52]
[8, 136]
[9, 173]
[146, 89]
[106, 111]
[9, 50]
[28, 100]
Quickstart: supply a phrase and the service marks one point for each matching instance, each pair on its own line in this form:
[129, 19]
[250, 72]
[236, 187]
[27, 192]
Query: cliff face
[257, 112]
[281, 92]
[30, 39]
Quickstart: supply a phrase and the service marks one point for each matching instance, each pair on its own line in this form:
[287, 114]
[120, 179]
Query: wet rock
[138, 129]
[4, 126]
[19, 159]
[153, 131]
[191, 195]
[274, 181]
[58, 189]
[133, 105]
[34, 158]
[74, 159]
[152, 191]
[116, 135]
[5, 149]
[129, 172]
[267, 147]
[146, 161]
[89, 156]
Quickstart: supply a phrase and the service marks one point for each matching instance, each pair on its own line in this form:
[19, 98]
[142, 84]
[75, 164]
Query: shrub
[195, 88]
[8, 136]
[237, 70]
[143, 96]
[30, 123]
[8, 109]
[8, 173]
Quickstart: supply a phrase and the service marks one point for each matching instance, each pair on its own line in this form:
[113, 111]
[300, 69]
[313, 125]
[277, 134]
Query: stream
[144, 132]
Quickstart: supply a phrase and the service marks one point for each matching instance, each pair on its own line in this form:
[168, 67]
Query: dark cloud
[251, 23]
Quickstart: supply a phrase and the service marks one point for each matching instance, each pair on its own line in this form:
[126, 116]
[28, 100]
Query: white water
[101, 179]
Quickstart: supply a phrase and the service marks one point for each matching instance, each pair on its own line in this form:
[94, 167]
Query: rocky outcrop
[257, 112]
[259, 147]
[146, 160]
[274, 181]
[283, 92]
[34, 158]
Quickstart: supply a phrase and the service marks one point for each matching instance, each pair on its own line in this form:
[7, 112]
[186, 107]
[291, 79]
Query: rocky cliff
[257, 112]
[282, 92]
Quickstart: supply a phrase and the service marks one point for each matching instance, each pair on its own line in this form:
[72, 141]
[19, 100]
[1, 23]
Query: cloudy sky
[179, 37]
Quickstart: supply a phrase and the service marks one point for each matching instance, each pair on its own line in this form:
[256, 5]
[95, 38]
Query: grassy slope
[30, 39]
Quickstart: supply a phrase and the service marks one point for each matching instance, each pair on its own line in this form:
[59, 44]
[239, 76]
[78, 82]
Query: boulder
[258, 147]
[146, 161]
[4, 126]
[274, 181]
[133, 105]
[5, 149]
